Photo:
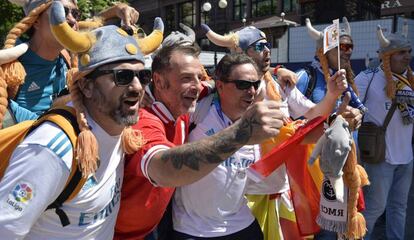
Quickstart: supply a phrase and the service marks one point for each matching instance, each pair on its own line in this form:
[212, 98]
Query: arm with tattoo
[190, 162]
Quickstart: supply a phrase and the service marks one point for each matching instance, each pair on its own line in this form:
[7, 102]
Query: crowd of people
[166, 152]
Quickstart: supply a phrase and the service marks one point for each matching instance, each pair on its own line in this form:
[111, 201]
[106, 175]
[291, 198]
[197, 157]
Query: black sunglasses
[76, 13]
[346, 46]
[123, 77]
[244, 84]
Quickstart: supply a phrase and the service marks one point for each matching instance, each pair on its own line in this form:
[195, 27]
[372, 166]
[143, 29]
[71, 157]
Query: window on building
[170, 18]
[239, 9]
[263, 7]
[205, 18]
[290, 5]
[274, 41]
[187, 13]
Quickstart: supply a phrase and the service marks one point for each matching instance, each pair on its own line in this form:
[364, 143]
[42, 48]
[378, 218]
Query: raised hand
[352, 115]
[337, 84]
[262, 120]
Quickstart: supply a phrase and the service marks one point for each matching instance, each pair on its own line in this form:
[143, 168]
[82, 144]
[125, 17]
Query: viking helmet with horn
[238, 41]
[318, 35]
[13, 73]
[389, 45]
[96, 48]
[346, 29]
[101, 46]
[393, 42]
[176, 37]
[10, 54]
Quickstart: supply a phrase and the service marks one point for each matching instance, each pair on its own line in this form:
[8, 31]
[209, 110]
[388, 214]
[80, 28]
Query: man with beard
[161, 164]
[278, 86]
[214, 207]
[389, 87]
[106, 91]
[312, 79]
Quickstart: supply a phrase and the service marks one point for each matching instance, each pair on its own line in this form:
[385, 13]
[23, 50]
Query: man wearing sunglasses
[106, 91]
[312, 79]
[312, 82]
[214, 207]
[165, 161]
[45, 62]
[389, 84]
[253, 42]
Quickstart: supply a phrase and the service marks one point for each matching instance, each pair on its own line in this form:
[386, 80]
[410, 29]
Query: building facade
[290, 43]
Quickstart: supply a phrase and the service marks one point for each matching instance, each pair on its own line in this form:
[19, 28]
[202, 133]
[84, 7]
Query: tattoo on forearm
[214, 149]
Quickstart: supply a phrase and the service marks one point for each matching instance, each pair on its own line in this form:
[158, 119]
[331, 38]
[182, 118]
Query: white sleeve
[33, 179]
[298, 103]
[361, 82]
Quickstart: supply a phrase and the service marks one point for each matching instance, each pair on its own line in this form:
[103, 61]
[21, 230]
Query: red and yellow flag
[304, 180]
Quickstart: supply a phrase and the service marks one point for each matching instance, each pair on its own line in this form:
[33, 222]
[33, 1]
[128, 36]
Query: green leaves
[9, 15]
[91, 8]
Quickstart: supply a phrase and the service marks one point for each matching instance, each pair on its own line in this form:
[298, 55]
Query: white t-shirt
[215, 205]
[36, 175]
[398, 136]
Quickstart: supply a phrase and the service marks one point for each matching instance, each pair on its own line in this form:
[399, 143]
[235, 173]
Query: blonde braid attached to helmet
[389, 46]
[390, 88]
[101, 46]
[12, 74]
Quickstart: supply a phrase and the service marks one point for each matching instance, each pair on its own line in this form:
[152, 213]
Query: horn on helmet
[315, 34]
[151, 42]
[69, 38]
[188, 31]
[11, 54]
[384, 42]
[89, 25]
[347, 26]
[219, 40]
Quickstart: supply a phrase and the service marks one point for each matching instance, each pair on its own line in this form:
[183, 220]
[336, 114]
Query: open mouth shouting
[132, 103]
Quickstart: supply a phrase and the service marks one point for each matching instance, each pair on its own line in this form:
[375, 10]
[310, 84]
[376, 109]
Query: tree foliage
[91, 8]
[9, 15]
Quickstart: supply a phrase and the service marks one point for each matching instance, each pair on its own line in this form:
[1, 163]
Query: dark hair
[229, 61]
[161, 61]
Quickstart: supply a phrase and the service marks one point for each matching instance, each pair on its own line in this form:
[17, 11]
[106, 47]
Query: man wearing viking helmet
[34, 73]
[390, 83]
[186, 38]
[166, 160]
[252, 41]
[106, 91]
[312, 79]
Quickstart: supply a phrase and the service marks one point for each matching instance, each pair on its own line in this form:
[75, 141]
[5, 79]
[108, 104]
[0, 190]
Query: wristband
[277, 68]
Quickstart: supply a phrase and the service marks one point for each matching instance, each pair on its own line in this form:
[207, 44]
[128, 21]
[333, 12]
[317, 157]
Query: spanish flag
[304, 180]
[275, 216]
